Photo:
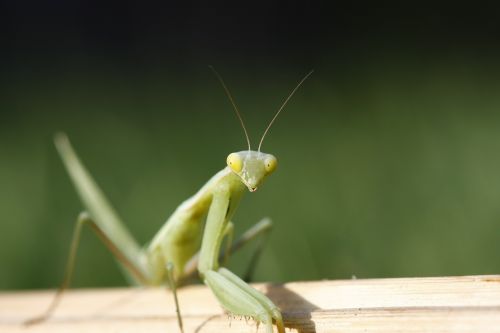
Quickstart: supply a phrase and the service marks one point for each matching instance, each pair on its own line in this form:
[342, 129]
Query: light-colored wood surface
[442, 304]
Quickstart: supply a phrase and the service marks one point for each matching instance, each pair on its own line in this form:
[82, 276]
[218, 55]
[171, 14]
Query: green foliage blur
[387, 166]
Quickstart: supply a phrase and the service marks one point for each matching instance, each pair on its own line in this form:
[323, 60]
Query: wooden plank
[440, 304]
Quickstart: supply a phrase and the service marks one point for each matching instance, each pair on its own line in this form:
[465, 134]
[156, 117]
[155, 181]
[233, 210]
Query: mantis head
[252, 167]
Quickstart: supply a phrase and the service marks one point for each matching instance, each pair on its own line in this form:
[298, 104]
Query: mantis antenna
[282, 107]
[233, 103]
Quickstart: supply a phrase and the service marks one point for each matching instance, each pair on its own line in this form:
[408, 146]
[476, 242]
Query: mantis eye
[234, 162]
[270, 164]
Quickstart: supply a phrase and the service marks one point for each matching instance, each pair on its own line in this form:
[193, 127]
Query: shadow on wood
[440, 304]
[295, 309]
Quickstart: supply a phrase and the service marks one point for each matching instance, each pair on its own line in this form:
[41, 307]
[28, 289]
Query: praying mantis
[190, 240]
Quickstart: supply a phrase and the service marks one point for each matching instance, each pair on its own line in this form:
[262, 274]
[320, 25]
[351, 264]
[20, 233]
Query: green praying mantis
[190, 240]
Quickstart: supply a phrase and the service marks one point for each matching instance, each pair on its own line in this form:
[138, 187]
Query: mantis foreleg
[233, 293]
[258, 232]
[229, 235]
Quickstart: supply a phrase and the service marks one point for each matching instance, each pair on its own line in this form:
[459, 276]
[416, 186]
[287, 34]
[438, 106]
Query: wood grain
[440, 304]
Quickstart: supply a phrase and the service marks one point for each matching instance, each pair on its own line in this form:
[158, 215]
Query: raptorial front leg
[233, 293]
[241, 299]
[229, 235]
[258, 232]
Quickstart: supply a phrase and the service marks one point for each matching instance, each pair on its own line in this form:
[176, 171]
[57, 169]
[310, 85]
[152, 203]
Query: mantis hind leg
[85, 219]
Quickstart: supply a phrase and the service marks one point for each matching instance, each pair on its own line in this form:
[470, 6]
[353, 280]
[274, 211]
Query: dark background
[389, 154]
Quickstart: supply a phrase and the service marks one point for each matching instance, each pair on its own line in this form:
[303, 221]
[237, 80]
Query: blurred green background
[389, 155]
